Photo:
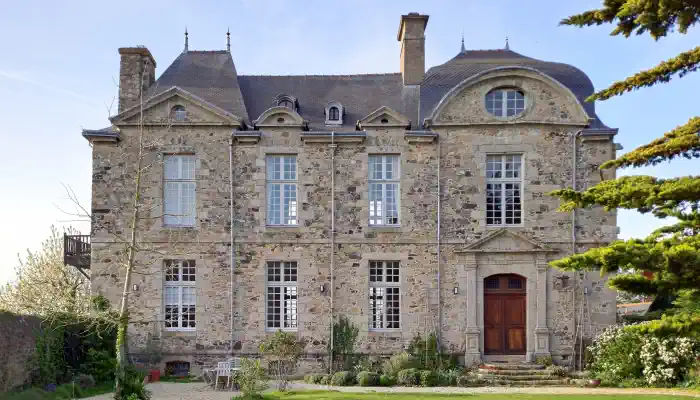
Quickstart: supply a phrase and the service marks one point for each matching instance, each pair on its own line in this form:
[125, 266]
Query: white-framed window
[179, 190]
[282, 205]
[505, 102]
[281, 296]
[384, 178]
[384, 295]
[179, 113]
[504, 188]
[180, 295]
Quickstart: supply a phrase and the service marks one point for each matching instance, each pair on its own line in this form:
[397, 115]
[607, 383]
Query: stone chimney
[412, 37]
[137, 72]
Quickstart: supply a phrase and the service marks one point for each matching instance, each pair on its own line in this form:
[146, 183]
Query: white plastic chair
[223, 369]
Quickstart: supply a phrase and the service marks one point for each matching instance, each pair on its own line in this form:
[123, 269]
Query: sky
[59, 67]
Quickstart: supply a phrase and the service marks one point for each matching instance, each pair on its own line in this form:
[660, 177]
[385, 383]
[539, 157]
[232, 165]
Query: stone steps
[523, 377]
[515, 372]
[511, 366]
[541, 382]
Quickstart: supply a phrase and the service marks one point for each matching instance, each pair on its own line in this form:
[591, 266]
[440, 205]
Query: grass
[40, 394]
[330, 395]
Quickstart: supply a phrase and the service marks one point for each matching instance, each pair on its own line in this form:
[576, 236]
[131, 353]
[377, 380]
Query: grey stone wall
[545, 140]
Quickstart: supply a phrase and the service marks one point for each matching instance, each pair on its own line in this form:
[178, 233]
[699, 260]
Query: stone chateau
[411, 203]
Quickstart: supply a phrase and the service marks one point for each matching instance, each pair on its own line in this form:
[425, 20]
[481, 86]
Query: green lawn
[325, 395]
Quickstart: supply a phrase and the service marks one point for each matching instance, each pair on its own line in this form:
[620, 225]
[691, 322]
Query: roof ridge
[320, 75]
[206, 51]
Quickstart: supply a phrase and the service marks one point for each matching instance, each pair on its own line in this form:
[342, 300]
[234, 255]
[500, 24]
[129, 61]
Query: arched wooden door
[504, 314]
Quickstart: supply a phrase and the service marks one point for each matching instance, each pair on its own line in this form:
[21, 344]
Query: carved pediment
[505, 241]
[385, 117]
[279, 116]
[161, 109]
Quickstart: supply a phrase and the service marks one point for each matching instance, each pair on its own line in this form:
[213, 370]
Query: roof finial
[507, 46]
[187, 41]
[228, 40]
[463, 49]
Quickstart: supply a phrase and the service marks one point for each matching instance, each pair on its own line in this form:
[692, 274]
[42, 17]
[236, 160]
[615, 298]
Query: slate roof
[441, 78]
[212, 76]
[359, 95]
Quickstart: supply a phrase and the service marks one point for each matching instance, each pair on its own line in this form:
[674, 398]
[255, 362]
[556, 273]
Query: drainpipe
[439, 296]
[332, 147]
[574, 164]
[233, 249]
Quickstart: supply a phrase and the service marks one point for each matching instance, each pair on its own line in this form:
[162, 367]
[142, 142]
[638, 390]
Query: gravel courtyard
[200, 391]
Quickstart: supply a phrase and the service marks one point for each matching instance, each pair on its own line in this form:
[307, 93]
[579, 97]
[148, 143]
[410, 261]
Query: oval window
[505, 102]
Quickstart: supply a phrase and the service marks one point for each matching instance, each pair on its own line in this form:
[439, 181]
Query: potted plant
[154, 354]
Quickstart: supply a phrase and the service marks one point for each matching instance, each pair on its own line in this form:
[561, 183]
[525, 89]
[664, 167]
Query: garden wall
[17, 346]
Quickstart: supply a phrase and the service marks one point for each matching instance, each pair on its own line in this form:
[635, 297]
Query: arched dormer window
[505, 102]
[285, 100]
[334, 113]
[178, 113]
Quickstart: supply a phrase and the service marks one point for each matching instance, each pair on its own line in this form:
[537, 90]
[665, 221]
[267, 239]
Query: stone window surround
[384, 181]
[341, 113]
[261, 219]
[195, 284]
[503, 200]
[385, 285]
[494, 149]
[363, 277]
[296, 182]
[535, 272]
[507, 84]
[282, 285]
[305, 284]
[158, 210]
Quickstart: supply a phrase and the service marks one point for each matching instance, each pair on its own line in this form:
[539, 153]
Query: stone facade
[231, 304]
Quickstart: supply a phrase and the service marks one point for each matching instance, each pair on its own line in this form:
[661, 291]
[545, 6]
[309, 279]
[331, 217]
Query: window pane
[392, 271]
[171, 167]
[513, 203]
[274, 204]
[376, 209]
[290, 204]
[393, 312]
[392, 208]
[290, 272]
[493, 203]
[376, 170]
[188, 274]
[274, 271]
[290, 168]
[494, 166]
[376, 308]
[290, 307]
[189, 296]
[274, 306]
[172, 271]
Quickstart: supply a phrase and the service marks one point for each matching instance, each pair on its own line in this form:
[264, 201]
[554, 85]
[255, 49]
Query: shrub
[342, 378]
[557, 370]
[325, 379]
[387, 380]
[365, 363]
[408, 377]
[84, 381]
[100, 364]
[367, 378]
[283, 349]
[449, 377]
[251, 377]
[396, 363]
[667, 360]
[615, 355]
[429, 378]
[31, 394]
[466, 381]
[63, 392]
[133, 387]
[546, 361]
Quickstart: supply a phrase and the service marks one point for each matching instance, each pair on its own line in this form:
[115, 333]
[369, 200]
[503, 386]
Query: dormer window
[285, 100]
[334, 113]
[505, 102]
[179, 113]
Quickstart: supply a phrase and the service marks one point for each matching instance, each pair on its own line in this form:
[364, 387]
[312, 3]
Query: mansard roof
[440, 79]
[212, 76]
[359, 95]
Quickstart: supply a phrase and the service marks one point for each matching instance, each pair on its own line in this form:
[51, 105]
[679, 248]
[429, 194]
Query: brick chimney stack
[137, 72]
[412, 37]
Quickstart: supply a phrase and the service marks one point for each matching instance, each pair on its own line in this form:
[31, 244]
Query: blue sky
[59, 64]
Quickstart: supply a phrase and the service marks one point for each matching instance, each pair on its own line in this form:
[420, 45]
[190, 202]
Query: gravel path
[201, 391]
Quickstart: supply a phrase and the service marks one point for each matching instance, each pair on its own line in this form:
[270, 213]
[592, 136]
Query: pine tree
[671, 253]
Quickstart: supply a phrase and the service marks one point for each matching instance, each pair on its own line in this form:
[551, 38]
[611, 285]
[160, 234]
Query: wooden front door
[504, 314]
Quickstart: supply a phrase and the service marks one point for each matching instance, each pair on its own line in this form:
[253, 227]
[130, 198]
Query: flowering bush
[667, 360]
[622, 353]
[615, 355]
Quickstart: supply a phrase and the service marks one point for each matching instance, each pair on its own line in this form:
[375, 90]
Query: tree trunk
[123, 324]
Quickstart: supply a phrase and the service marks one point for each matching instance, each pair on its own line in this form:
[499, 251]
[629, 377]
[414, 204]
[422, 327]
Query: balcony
[76, 251]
